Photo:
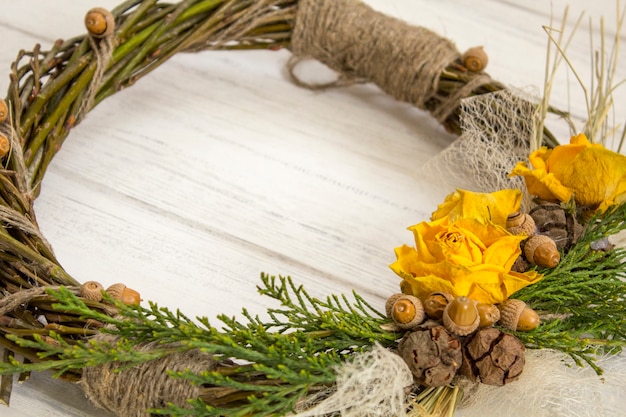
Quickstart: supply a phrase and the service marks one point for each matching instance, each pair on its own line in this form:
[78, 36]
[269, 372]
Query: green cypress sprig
[292, 354]
[583, 299]
[298, 349]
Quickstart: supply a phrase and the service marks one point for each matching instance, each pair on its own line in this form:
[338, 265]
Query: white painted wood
[216, 168]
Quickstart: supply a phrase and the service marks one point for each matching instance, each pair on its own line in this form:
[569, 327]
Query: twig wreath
[490, 275]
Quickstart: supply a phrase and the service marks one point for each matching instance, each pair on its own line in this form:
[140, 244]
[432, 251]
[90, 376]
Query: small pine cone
[432, 353]
[492, 357]
[521, 265]
[553, 221]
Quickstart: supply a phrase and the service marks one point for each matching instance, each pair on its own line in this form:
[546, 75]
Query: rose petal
[483, 207]
[599, 177]
[593, 175]
[542, 184]
[515, 281]
[504, 251]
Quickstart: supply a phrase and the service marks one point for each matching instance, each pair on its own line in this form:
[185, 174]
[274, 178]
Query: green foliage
[298, 350]
[294, 351]
[583, 298]
[290, 355]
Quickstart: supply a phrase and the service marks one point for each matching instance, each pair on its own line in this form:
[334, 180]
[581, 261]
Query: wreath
[516, 265]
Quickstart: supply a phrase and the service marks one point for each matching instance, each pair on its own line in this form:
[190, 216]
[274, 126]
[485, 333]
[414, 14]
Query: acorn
[91, 290]
[389, 303]
[99, 22]
[121, 292]
[489, 314]
[541, 250]
[407, 312]
[475, 59]
[5, 145]
[4, 111]
[461, 317]
[521, 223]
[516, 315]
[435, 303]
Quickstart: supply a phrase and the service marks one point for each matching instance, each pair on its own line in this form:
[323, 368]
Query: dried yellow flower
[464, 258]
[592, 175]
[484, 207]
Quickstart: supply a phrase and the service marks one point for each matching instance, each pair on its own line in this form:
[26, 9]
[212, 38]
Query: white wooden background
[216, 168]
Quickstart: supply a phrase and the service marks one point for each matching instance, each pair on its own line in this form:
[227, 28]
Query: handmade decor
[497, 271]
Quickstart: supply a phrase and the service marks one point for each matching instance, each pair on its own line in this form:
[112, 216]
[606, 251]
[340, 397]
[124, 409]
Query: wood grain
[216, 168]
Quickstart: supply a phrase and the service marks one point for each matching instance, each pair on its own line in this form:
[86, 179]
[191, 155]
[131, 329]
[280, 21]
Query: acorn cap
[4, 111]
[516, 315]
[115, 290]
[407, 312]
[541, 250]
[475, 59]
[461, 317]
[5, 145]
[99, 22]
[122, 293]
[91, 290]
[389, 303]
[521, 223]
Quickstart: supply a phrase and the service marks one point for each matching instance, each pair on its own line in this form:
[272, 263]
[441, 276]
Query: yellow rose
[485, 207]
[466, 257]
[593, 175]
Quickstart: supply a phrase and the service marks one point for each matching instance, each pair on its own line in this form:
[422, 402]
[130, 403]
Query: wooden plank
[216, 168]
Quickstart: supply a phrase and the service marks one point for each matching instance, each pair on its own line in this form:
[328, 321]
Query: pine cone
[432, 353]
[553, 221]
[521, 265]
[493, 357]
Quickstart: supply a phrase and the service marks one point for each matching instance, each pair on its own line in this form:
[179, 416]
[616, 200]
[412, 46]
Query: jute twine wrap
[131, 392]
[103, 50]
[364, 45]
[12, 301]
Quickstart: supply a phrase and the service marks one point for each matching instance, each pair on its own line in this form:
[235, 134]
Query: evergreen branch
[293, 354]
[336, 314]
[584, 296]
[582, 350]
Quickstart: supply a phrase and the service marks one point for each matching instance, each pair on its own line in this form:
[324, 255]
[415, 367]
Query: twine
[103, 50]
[364, 45]
[10, 217]
[131, 392]
[11, 302]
